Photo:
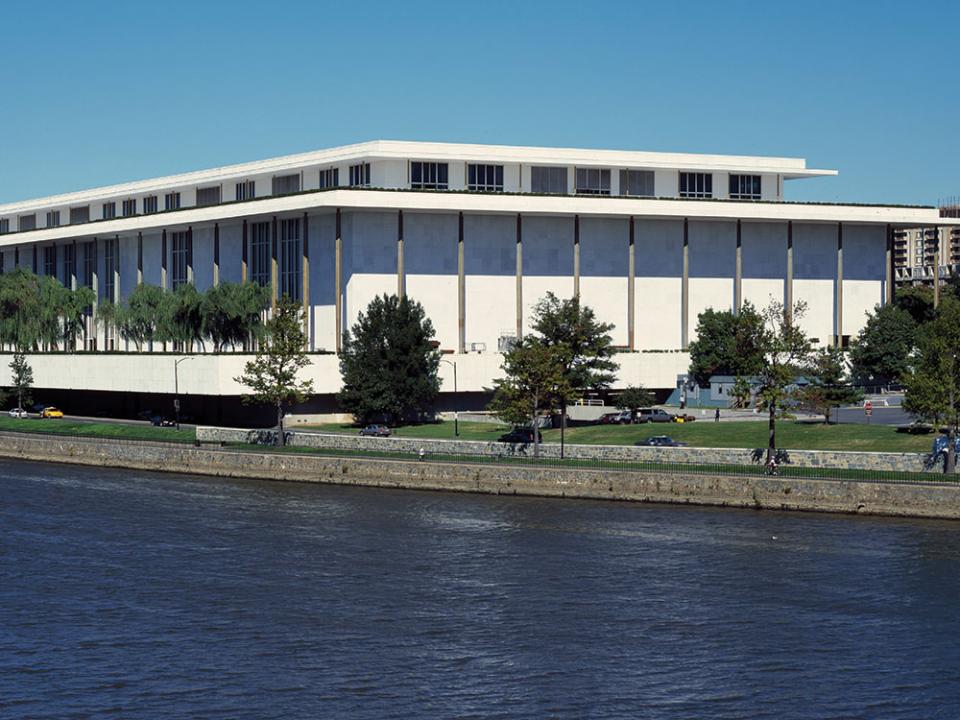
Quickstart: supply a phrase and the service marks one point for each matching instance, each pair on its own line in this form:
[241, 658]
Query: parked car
[522, 435]
[615, 418]
[375, 431]
[18, 413]
[656, 415]
[161, 421]
[51, 412]
[607, 418]
[659, 441]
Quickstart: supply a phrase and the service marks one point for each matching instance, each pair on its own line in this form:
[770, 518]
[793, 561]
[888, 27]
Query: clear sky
[103, 92]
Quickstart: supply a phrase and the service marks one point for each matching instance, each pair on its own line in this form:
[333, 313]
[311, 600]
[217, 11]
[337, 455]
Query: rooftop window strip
[80, 215]
[696, 185]
[208, 196]
[360, 175]
[745, 187]
[109, 210]
[592, 181]
[485, 178]
[429, 175]
[329, 178]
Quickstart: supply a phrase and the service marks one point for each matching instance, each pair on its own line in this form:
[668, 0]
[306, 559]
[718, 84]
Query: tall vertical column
[519, 276]
[243, 253]
[36, 269]
[631, 289]
[738, 273]
[839, 293]
[116, 269]
[461, 291]
[190, 254]
[888, 295]
[576, 256]
[16, 256]
[936, 266]
[216, 254]
[338, 283]
[401, 278]
[139, 258]
[305, 277]
[73, 269]
[274, 276]
[685, 289]
[788, 288]
[163, 260]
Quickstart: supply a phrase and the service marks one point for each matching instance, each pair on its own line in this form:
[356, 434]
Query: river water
[132, 595]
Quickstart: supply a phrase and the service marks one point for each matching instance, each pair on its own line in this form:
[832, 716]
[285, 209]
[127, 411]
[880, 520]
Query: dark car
[608, 418]
[656, 415]
[375, 431]
[161, 421]
[659, 441]
[517, 435]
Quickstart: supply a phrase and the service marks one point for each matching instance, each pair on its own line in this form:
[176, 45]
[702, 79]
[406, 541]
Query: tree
[21, 377]
[535, 378]
[933, 385]
[230, 313]
[829, 384]
[783, 350]
[273, 375]
[389, 362]
[724, 344]
[584, 348]
[881, 352]
[140, 319]
[180, 317]
[633, 398]
[917, 301]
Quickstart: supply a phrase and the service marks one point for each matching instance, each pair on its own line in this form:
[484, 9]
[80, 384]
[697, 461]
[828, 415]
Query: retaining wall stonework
[932, 500]
[908, 462]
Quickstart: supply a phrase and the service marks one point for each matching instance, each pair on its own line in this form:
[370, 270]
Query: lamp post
[456, 412]
[176, 390]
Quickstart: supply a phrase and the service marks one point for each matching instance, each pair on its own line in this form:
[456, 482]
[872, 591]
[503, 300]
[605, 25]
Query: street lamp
[176, 390]
[456, 413]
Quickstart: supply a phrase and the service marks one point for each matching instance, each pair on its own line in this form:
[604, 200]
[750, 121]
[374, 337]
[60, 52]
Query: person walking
[716, 415]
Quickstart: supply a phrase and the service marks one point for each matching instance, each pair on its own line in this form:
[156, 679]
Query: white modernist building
[477, 234]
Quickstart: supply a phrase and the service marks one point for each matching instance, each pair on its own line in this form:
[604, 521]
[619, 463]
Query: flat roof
[789, 168]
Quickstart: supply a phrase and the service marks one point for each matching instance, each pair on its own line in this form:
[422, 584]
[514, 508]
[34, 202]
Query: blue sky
[103, 92]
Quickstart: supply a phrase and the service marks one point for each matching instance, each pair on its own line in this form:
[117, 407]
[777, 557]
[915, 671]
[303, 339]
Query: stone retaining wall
[906, 462]
[914, 500]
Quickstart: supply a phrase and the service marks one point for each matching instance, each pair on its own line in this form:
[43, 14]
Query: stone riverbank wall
[907, 462]
[933, 500]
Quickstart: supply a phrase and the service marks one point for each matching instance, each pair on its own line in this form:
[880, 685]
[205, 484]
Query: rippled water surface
[129, 595]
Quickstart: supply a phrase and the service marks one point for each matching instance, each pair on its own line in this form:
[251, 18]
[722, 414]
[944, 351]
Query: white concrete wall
[547, 261]
[604, 249]
[815, 276]
[369, 259]
[659, 265]
[490, 266]
[430, 263]
[764, 262]
[712, 257]
[864, 274]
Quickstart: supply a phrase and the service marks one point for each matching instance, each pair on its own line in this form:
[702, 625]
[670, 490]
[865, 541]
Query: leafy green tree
[389, 362]
[583, 345]
[230, 313]
[73, 314]
[933, 385]
[140, 319]
[181, 320]
[917, 301]
[273, 375]
[21, 377]
[535, 379]
[830, 386]
[724, 344]
[20, 309]
[881, 352]
[784, 350]
[633, 398]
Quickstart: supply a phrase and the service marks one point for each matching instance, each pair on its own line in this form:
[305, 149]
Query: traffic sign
[868, 408]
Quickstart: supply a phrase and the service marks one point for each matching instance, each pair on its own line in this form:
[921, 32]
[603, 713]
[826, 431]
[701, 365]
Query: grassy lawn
[746, 434]
[94, 429]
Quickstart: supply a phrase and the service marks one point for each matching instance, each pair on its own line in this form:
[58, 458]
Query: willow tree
[230, 313]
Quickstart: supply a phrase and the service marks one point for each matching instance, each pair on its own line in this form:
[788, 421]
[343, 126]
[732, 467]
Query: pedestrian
[422, 454]
[716, 415]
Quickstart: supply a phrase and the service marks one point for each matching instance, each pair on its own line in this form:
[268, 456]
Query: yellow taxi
[51, 412]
